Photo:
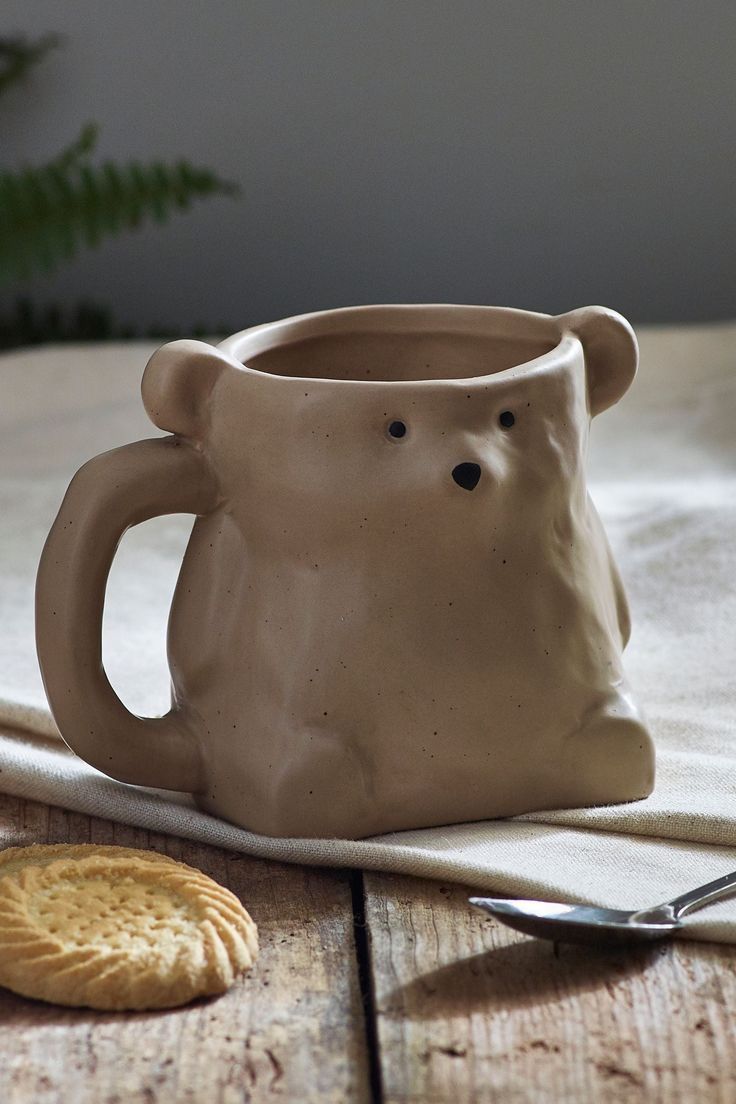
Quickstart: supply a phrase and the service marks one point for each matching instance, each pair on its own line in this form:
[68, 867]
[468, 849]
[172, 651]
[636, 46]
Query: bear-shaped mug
[398, 607]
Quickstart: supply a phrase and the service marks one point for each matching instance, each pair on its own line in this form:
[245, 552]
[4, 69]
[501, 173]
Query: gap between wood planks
[433, 1003]
[361, 937]
[466, 1010]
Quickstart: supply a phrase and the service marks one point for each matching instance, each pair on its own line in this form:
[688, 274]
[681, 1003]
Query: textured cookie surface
[41, 854]
[116, 932]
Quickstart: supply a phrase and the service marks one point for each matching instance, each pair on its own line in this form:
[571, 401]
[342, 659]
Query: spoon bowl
[579, 923]
[571, 923]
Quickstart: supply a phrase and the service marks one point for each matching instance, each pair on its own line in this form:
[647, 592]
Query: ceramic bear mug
[397, 607]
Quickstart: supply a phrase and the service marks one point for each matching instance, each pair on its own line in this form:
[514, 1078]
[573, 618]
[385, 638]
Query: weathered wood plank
[469, 1011]
[293, 1030]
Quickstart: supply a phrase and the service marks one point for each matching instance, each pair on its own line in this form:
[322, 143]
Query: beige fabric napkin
[663, 474]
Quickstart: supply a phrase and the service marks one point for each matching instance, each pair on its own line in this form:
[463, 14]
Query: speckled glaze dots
[398, 607]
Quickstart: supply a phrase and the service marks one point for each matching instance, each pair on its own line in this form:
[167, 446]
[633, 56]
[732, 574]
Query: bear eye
[397, 429]
[506, 419]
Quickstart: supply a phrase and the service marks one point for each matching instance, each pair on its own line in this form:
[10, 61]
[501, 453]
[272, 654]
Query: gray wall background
[541, 155]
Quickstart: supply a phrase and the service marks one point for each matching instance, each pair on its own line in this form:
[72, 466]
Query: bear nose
[466, 475]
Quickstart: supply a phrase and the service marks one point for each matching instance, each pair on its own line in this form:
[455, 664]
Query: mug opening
[396, 344]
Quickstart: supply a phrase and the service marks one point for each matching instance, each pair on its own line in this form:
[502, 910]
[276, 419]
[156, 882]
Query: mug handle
[108, 495]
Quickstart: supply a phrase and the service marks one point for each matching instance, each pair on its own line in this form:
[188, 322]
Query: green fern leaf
[82, 146]
[18, 55]
[48, 213]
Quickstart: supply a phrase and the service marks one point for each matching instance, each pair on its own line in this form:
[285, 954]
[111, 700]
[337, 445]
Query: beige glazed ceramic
[398, 607]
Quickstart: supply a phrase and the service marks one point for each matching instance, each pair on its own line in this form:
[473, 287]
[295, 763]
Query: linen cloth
[663, 475]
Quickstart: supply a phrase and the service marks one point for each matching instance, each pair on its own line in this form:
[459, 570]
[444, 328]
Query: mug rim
[418, 318]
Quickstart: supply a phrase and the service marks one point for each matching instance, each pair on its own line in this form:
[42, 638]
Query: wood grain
[461, 1010]
[468, 1010]
[292, 1030]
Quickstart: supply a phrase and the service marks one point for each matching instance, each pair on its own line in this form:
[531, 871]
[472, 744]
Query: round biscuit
[114, 932]
[41, 854]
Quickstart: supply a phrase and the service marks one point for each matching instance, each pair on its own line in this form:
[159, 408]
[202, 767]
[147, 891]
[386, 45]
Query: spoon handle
[703, 895]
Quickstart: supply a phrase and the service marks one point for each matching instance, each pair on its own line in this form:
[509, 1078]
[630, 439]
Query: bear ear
[611, 353]
[177, 384]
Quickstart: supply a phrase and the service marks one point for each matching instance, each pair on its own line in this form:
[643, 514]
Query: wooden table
[380, 988]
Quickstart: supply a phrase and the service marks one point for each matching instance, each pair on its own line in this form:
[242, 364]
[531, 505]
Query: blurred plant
[17, 56]
[51, 211]
[29, 324]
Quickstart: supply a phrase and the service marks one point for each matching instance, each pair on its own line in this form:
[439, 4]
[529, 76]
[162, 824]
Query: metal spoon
[586, 924]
